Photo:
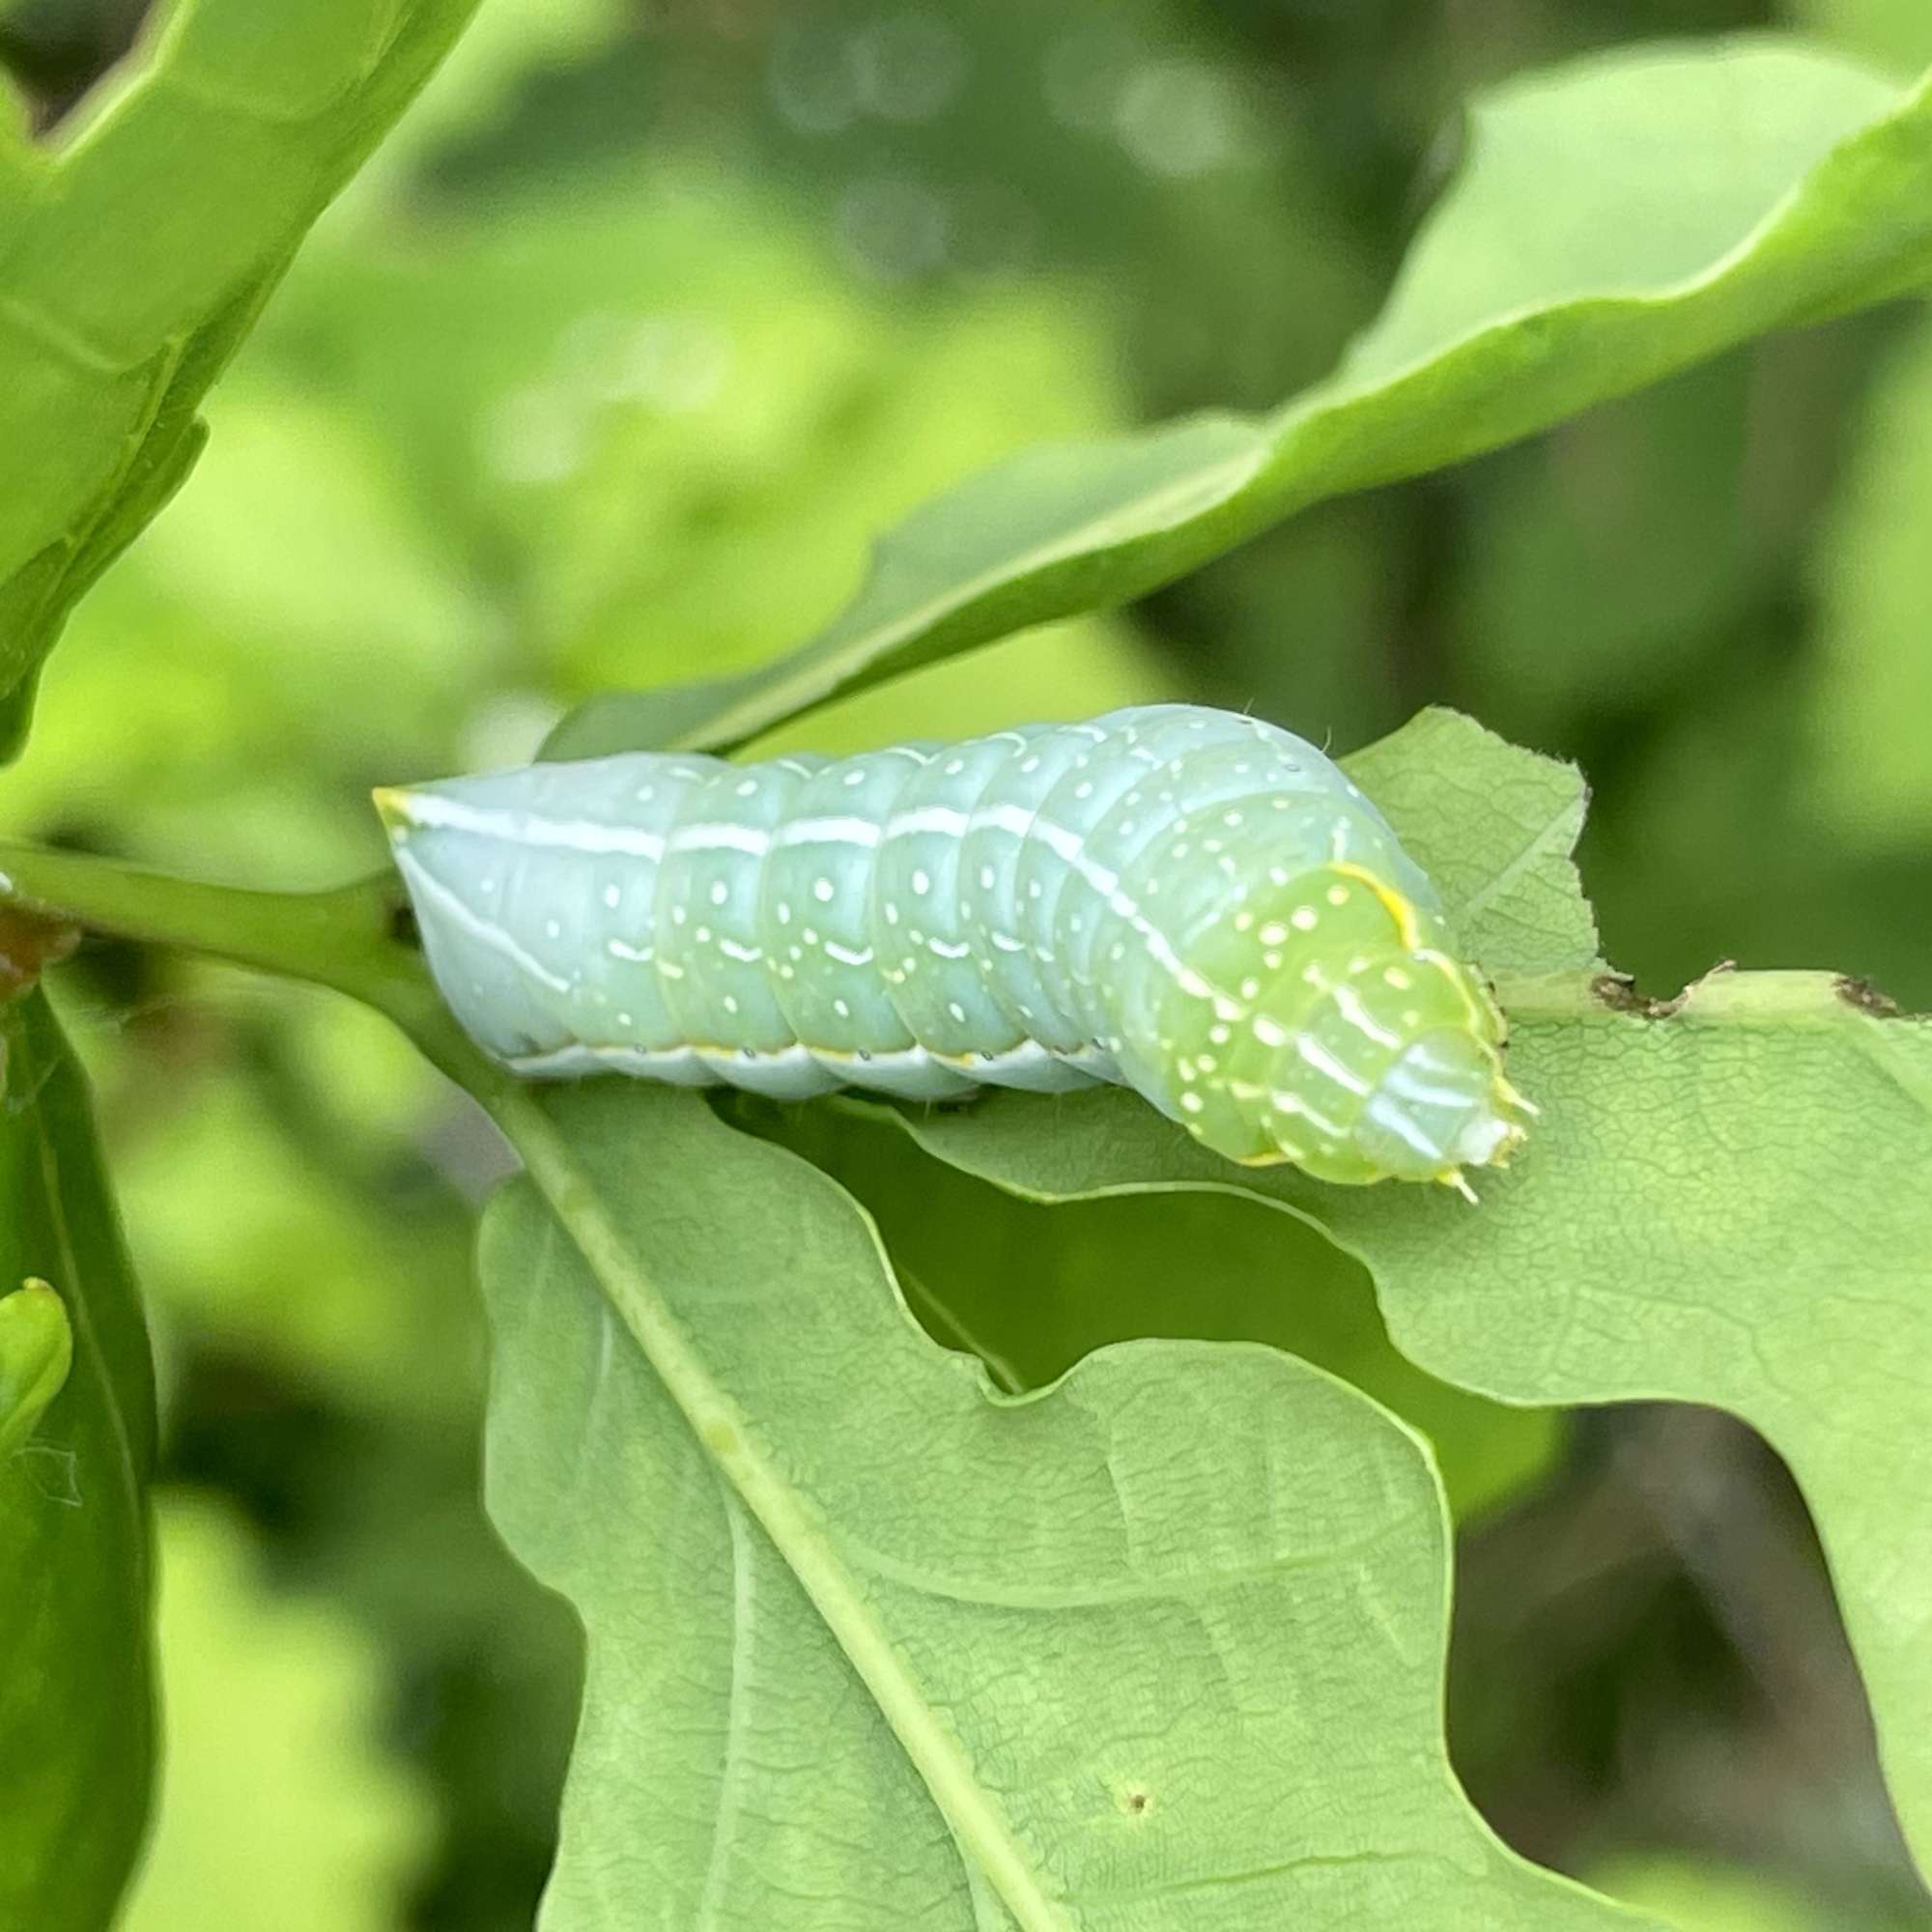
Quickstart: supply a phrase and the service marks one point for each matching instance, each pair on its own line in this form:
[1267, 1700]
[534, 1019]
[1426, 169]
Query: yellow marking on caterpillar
[1408, 929]
[1460, 980]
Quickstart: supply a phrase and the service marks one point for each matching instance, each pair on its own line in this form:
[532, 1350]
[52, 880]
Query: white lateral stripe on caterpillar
[1189, 902]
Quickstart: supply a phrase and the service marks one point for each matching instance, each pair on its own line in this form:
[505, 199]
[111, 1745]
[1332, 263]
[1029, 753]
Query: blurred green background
[650, 317]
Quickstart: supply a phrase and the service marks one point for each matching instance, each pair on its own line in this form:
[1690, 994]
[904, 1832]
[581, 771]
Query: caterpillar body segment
[1189, 902]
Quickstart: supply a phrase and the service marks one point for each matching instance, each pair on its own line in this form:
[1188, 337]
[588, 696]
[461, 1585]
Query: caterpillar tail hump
[1192, 903]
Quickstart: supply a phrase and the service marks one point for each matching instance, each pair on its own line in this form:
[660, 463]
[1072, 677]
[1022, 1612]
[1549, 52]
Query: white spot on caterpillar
[1273, 933]
[921, 884]
[614, 896]
[1395, 977]
[553, 928]
[1338, 896]
[719, 892]
[822, 890]
[958, 1011]
[843, 1008]
[1193, 1102]
[1304, 919]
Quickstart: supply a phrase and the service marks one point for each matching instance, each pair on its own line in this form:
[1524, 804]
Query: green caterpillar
[1192, 903]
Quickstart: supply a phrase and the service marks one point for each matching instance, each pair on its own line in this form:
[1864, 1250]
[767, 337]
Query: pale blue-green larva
[1191, 903]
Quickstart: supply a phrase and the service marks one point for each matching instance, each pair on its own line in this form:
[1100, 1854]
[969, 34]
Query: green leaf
[1615, 221]
[1723, 1202]
[36, 1353]
[273, 1705]
[1160, 1646]
[1874, 689]
[74, 1698]
[139, 249]
[1697, 1897]
[1031, 1289]
[1894, 34]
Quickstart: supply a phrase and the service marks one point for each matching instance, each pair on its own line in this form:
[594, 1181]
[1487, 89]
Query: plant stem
[345, 938]
[1723, 996]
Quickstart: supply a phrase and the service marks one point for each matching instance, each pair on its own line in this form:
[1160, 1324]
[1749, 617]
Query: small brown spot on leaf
[1867, 999]
[1618, 992]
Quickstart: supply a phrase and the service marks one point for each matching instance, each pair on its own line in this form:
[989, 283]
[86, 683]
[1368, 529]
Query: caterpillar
[1189, 902]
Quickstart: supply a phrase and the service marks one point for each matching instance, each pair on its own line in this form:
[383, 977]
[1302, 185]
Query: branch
[350, 938]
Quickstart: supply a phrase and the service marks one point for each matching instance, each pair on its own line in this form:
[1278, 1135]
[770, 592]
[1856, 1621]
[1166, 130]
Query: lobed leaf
[1567, 264]
[135, 251]
[870, 1647]
[75, 1702]
[1725, 1201]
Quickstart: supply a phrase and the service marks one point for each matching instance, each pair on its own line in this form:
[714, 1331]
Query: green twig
[349, 938]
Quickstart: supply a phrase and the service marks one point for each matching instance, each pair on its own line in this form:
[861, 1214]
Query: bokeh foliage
[607, 373]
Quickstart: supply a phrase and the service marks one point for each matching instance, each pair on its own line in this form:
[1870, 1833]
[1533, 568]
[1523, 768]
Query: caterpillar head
[1360, 1049]
[1441, 1104]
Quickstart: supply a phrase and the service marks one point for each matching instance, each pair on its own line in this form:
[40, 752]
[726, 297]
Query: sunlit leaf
[1724, 1201]
[138, 246]
[1160, 1646]
[1566, 265]
[74, 1698]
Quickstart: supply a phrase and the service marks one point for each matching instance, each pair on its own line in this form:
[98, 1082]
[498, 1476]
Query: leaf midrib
[785, 1517]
